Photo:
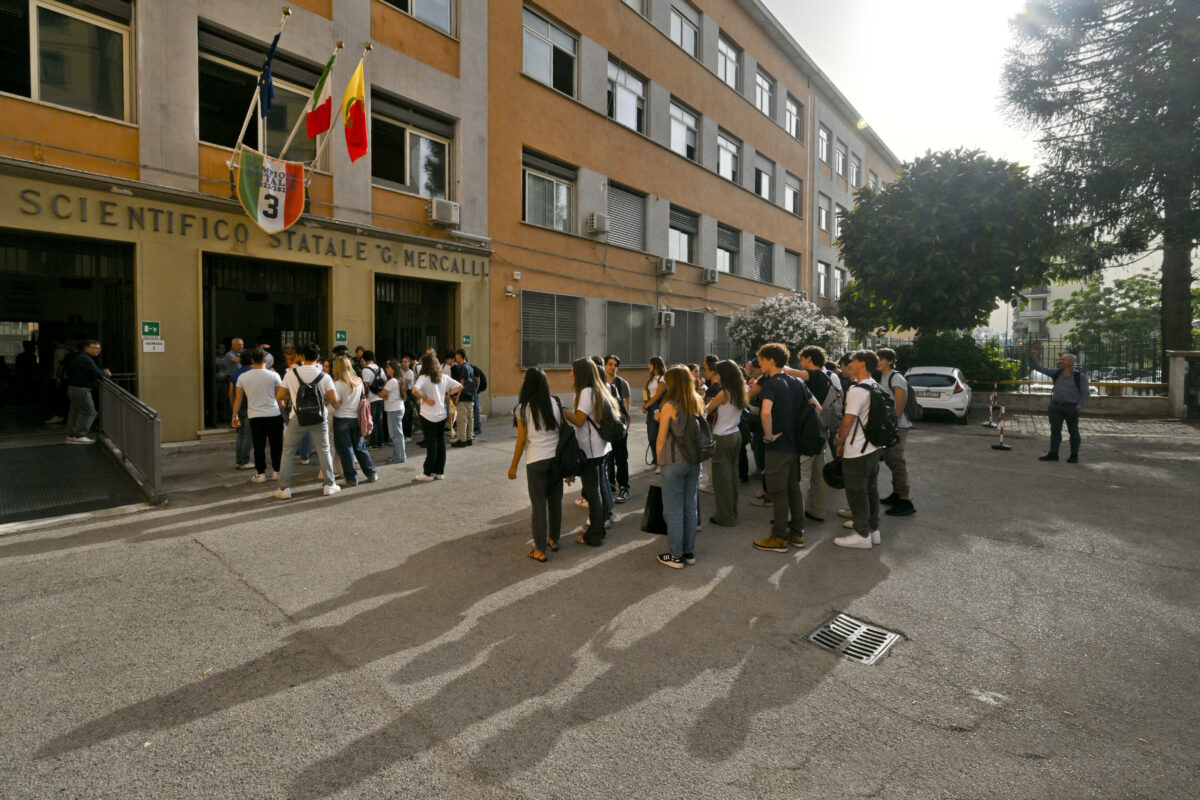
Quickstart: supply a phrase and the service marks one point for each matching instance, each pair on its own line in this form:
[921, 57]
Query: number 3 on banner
[272, 209]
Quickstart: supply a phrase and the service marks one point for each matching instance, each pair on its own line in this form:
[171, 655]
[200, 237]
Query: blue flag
[266, 87]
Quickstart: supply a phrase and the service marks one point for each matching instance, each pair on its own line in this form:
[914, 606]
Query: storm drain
[853, 639]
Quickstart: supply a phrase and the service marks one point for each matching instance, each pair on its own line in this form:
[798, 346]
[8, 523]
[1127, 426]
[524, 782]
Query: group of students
[790, 417]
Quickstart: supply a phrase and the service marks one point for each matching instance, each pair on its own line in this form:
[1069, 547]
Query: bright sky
[925, 74]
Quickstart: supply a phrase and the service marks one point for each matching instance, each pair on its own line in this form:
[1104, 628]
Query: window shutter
[537, 328]
[620, 333]
[762, 260]
[729, 239]
[685, 221]
[627, 218]
[790, 277]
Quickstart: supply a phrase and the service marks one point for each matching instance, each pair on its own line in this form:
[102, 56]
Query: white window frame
[793, 120]
[556, 182]
[410, 131]
[680, 21]
[636, 5]
[549, 40]
[873, 180]
[822, 279]
[838, 211]
[733, 148]
[91, 19]
[823, 137]
[855, 171]
[764, 180]
[764, 93]
[680, 117]
[824, 209]
[839, 159]
[729, 64]
[620, 81]
[839, 282]
[410, 11]
[792, 190]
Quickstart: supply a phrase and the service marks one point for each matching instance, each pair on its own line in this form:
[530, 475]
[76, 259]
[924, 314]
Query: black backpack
[379, 381]
[809, 439]
[911, 407]
[568, 455]
[310, 406]
[697, 443]
[469, 382]
[611, 428]
[482, 378]
[882, 428]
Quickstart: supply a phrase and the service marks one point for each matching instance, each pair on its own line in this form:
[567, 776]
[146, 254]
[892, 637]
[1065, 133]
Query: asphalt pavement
[393, 641]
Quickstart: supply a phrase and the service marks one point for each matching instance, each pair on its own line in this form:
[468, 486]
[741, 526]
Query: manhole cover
[853, 639]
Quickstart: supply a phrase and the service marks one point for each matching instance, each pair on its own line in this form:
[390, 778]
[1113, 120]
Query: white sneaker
[332, 488]
[848, 524]
[259, 478]
[854, 540]
[243, 466]
[875, 539]
[845, 513]
[283, 494]
[305, 460]
[423, 478]
[439, 477]
[80, 440]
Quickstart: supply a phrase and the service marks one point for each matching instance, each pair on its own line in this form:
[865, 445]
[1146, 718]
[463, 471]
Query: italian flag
[354, 115]
[320, 107]
[271, 190]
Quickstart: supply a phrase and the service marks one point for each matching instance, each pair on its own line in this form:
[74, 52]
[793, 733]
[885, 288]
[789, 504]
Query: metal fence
[136, 431]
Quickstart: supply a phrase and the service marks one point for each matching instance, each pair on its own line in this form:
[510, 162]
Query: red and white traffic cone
[1002, 445]
[991, 407]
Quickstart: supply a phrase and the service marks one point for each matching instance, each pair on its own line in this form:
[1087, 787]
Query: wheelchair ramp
[52, 480]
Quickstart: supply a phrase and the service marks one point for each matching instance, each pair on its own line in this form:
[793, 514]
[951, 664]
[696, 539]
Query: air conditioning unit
[711, 276]
[666, 266]
[443, 212]
[597, 223]
[666, 319]
[803, 294]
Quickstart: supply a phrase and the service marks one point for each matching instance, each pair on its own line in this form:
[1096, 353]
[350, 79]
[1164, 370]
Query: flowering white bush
[789, 320]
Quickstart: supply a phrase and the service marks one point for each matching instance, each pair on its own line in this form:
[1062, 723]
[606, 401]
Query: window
[626, 218]
[823, 206]
[764, 172]
[630, 332]
[411, 148]
[823, 143]
[793, 119]
[839, 159]
[684, 131]
[626, 97]
[682, 235]
[549, 53]
[685, 28]
[728, 155]
[764, 93]
[764, 260]
[549, 329]
[729, 59]
[228, 78]
[839, 282]
[548, 188]
[873, 180]
[431, 12]
[822, 279]
[685, 339]
[61, 55]
[792, 187]
[855, 171]
[839, 212]
[636, 5]
[729, 241]
[790, 277]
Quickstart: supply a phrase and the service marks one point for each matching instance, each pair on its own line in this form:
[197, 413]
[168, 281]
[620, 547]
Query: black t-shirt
[788, 395]
[461, 372]
[818, 384]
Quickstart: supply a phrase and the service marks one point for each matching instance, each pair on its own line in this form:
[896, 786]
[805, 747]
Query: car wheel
[963, 419]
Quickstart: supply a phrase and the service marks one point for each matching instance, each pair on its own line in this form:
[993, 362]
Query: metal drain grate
[855, 640]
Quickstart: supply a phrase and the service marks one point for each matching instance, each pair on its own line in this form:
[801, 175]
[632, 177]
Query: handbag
[653, 520]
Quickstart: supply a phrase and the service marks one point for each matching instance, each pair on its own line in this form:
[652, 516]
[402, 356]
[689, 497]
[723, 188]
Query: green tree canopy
[1127, 309]
[937, 248]
[1114, 87]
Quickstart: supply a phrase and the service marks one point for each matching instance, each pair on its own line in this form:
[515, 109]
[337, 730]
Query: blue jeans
[396, 426]
[83, 412]
[244, 441]
[680, 485]
[348, 441]
[478, 422]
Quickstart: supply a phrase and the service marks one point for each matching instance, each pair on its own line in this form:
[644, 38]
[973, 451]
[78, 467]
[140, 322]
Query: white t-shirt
[590, 441]
[394, 400]
[729, 417]
[348, 397]
[308, 372]
[541, 445]
[652, 387]
[259, 386]
[368, 374]
[858, 403]
[891, 382]
[437, 392]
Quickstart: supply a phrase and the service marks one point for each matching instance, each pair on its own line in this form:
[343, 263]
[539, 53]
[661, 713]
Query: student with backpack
[539, 418]
[462, 371]
[309, 389]
[651, 400]
[681, 445]
[374, 378]
[725, 410]
[347, 426]
[431, 391]
[827, 389]
[618, 460]
[900, 500]
[865, 428]
[594, 404]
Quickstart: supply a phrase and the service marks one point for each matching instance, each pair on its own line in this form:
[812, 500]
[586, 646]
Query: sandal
[583, 540]
[536, 555]
[553, 545]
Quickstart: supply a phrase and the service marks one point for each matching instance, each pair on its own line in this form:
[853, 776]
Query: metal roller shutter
[627, 218]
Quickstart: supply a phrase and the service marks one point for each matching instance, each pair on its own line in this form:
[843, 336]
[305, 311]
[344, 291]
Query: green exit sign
[339, 337]
[466, 340]
[151, 330]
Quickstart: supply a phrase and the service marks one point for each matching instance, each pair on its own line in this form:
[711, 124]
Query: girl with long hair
[728, 404]
[538, 417]
[680, 477]
[590, 392]
[652, 400]
[393, 394]
[347, 436]
[431, 391]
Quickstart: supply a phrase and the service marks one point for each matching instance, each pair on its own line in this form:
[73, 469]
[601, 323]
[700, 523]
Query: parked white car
[941, 389]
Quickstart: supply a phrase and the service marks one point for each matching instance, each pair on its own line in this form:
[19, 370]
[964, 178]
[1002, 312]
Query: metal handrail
[135, 430]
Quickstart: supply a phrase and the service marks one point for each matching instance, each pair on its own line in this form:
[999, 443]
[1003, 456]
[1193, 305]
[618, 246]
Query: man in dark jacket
[82, 374]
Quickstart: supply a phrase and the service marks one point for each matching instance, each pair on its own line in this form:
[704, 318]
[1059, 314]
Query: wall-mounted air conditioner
[711, 276]
[666, 319]
[443, 212]
[666, 266]
[596, 223]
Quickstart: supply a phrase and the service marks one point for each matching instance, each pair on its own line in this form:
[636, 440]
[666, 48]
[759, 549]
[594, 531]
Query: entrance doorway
[412, 316]
[54, 292]
[261, 302]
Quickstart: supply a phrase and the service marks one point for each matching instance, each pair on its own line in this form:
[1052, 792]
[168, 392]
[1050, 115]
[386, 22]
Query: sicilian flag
[270, 189]
[266, 86]
[320, 107]
[354, 115]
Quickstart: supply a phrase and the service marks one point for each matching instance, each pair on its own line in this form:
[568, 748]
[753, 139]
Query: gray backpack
[833, 405]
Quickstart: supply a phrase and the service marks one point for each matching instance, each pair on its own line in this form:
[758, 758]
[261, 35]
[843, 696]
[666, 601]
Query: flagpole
[287, 12]
[329, 135]
[296, 127]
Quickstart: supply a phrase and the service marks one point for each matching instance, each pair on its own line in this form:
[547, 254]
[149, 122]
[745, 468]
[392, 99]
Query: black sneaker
[891, 499]
[902, 509]
[1074, 459]
[689, 558]
[623, 495]
[1048, 457]
[668, 560]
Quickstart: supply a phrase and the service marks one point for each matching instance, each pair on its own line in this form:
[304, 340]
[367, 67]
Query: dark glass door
[412, 316]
